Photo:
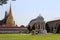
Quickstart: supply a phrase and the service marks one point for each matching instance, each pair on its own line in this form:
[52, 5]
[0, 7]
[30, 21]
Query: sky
[24, 11]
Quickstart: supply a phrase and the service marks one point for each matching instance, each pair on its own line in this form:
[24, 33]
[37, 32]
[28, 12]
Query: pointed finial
[10, 11]
[10, 4]
[40, 14]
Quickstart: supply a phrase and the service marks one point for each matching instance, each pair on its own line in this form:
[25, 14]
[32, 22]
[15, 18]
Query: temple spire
[10, 20]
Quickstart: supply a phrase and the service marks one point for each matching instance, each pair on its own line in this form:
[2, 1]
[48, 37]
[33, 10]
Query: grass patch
[29, 37]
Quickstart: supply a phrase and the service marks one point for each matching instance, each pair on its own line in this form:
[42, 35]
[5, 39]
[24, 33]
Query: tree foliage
[47, 27]
[29, 28]
[33, 27]
[58, 29]
[4, 1]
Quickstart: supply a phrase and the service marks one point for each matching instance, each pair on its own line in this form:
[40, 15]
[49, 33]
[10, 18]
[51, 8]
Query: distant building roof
[12, 28]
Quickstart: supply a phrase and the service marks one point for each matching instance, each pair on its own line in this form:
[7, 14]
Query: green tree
[33, 30]
[58, 29]
[4, 1]
[47, 28]
[29, 29]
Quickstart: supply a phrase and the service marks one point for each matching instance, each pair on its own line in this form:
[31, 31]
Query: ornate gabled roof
[38, 19]
[4, 20]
